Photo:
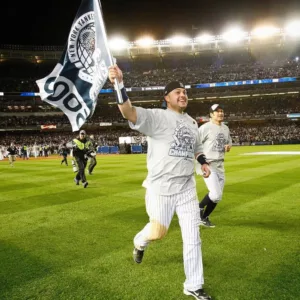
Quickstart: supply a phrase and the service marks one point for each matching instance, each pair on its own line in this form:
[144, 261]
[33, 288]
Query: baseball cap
[82, 132]
[215, 107]
[172, 86]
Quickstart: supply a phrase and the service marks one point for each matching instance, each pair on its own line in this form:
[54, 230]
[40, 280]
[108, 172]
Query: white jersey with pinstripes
[173, 140]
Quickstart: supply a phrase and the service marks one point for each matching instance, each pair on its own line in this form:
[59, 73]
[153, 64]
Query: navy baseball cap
[215, 107]
[172, 86]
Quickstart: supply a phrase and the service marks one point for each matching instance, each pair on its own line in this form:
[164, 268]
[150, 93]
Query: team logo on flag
[75, 83]
[87, 58]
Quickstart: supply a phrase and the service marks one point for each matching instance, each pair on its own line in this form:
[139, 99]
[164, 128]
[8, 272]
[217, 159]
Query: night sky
[49, 22]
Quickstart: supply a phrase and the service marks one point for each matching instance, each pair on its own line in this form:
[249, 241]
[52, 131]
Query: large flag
[74, 84]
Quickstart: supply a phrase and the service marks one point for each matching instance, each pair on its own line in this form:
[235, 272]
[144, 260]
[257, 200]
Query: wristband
[123, 93]
[202, 159]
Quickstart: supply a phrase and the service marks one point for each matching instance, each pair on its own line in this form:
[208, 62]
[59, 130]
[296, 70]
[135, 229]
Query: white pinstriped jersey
[173, 140]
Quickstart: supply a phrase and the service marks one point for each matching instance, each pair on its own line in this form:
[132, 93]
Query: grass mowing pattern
[61, 241]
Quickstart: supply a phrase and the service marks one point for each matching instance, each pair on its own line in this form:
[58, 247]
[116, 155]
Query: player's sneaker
[199, 294]
[76, 181]
[138, 255]
[207, 223]
[85, 184]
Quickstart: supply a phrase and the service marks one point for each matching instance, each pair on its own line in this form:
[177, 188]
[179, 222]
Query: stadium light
[234, 35]
[118, 43]
[293, 29]
[205, 38]
[265, 31]
[179, 40]
[145, 41]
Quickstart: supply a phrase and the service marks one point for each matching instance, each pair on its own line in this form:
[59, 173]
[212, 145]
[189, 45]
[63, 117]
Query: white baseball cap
[215, 107]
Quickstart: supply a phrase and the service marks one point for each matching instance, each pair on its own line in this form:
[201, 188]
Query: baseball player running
[173, 142]
[64, 152]
[216, 140]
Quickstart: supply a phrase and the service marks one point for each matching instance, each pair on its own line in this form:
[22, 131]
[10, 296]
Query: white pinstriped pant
[161, 209]
[215, 184]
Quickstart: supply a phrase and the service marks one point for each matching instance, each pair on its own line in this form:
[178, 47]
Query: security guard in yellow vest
[80, 151]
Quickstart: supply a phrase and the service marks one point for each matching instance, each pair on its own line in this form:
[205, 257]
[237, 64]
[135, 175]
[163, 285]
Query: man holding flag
[173, 144]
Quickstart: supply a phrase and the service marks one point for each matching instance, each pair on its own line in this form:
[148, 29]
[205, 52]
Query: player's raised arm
[128, 111]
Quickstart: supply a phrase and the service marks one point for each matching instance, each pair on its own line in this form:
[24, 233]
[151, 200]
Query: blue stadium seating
[136, 149]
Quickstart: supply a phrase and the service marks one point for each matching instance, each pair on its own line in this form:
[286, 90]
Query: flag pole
[103, 29]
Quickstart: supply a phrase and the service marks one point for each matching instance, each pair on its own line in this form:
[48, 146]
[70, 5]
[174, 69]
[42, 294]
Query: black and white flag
[74, 84]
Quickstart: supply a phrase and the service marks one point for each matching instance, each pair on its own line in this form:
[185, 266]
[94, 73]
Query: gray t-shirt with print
[173, 141]
[214, 138]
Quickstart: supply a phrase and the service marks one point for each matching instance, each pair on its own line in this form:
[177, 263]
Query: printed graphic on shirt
[220, 142]
[184, 142]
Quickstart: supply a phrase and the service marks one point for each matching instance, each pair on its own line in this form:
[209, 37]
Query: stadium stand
[258, 111]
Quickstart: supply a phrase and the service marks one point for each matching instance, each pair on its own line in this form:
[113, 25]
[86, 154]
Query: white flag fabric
[75, 83]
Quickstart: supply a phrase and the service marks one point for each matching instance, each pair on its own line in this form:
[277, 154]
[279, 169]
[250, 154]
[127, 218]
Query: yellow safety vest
[80, 144]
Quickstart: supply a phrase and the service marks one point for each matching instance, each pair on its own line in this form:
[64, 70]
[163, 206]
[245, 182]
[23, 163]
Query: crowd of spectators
[54, 139]
[148, 73]
[187, 72]
[58, 120]
[196, 74]
[252, 107]
[273, 132]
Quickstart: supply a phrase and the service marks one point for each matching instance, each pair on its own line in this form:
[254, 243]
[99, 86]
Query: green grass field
[61, 241]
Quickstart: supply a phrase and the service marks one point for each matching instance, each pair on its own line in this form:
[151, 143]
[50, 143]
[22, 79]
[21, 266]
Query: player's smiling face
[177, 100]
[217, 116]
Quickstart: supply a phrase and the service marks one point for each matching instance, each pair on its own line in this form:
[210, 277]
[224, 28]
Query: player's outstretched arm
[128, 111]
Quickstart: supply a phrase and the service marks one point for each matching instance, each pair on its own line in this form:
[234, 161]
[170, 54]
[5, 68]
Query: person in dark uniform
[12, 153]
[80, 152]
[64, 152]
[92, 155]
